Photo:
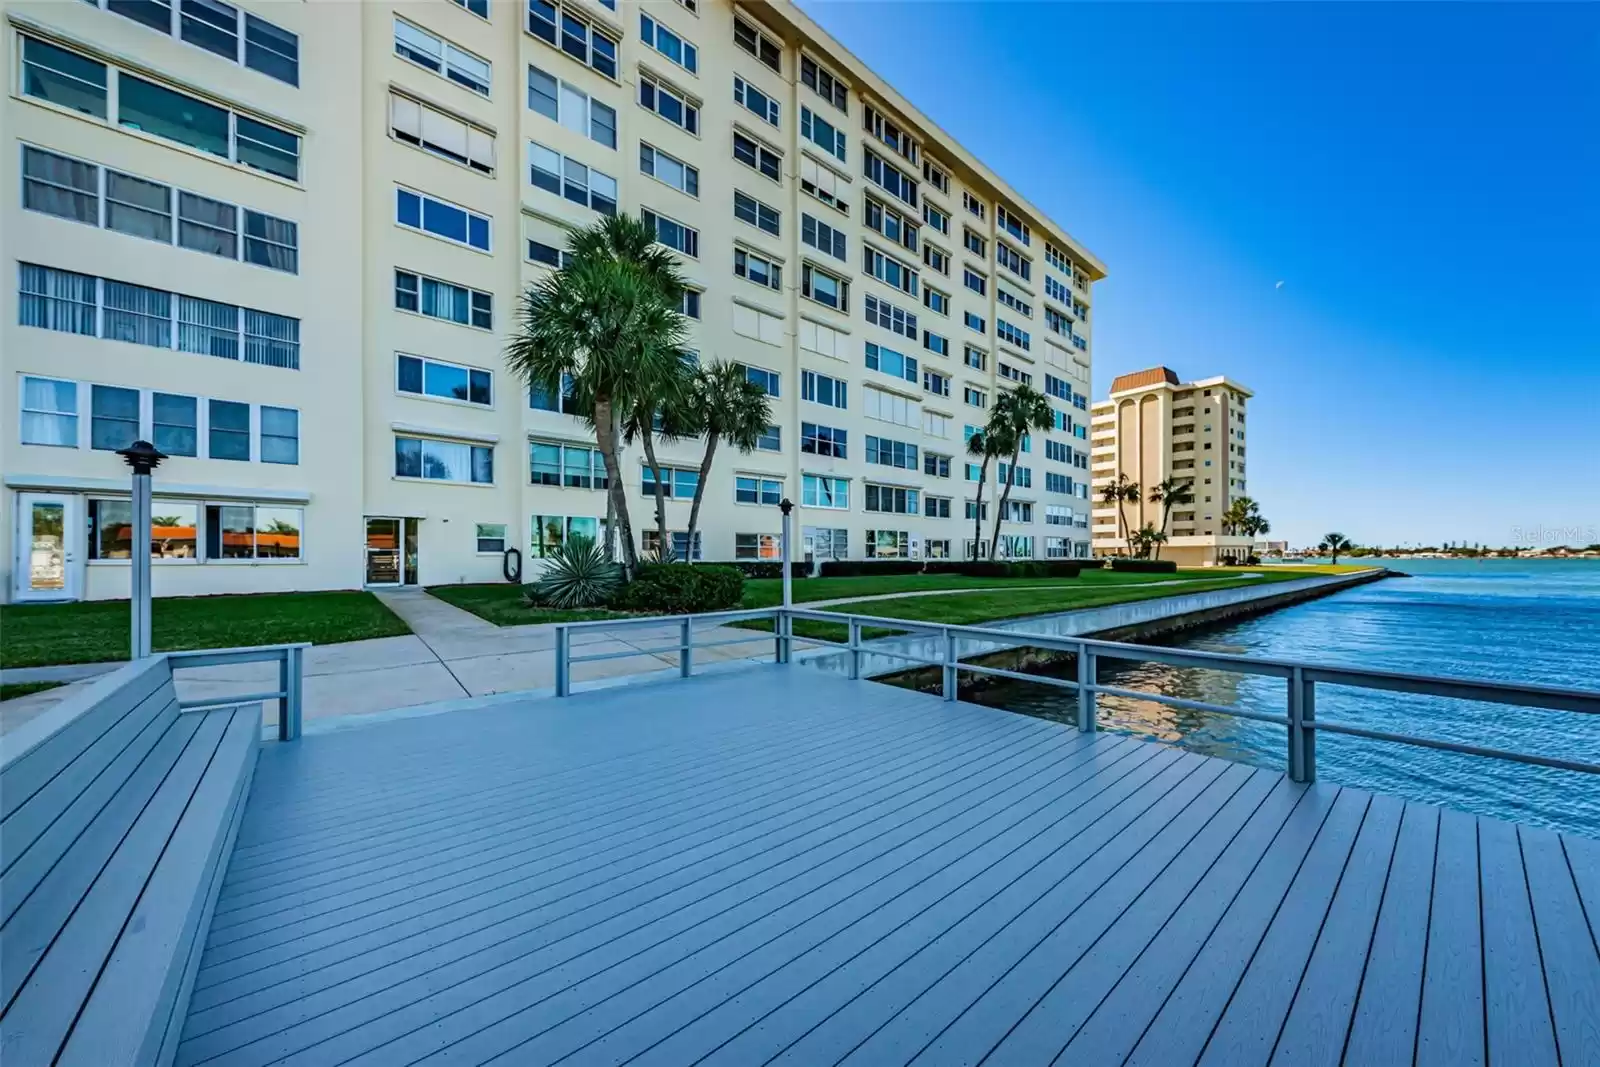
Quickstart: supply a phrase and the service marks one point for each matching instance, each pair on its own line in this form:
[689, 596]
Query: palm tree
[1120, 492]
[1170, 493]
[609, 321]
[667, 415]
[1335, 543]
[1148, 538]
[726, 406]
[1015, 413]
[980, 446]
[1239, 514]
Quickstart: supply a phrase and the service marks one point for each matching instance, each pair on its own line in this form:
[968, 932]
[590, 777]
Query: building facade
[1154, 427]
[286, 242]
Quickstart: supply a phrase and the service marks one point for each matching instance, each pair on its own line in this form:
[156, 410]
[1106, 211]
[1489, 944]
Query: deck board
[780, 865]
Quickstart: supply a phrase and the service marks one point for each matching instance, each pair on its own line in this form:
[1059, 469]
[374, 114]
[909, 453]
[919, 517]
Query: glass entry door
[391, 551]
[49, 547]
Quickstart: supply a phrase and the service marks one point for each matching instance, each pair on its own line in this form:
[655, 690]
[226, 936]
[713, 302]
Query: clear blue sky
[1423, 178]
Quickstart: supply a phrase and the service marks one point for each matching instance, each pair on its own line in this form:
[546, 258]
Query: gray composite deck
[780, 865]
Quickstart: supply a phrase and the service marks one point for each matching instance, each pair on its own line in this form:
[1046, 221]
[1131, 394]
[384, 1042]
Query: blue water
[1512, 620]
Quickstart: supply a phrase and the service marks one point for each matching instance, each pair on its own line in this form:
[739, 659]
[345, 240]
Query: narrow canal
[1512, 620]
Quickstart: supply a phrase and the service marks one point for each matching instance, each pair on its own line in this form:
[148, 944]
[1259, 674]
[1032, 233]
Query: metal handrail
[1300, 679]
[290, 693]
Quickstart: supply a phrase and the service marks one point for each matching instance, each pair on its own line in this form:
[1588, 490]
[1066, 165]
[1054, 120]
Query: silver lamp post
[143, 457]
[785, 624]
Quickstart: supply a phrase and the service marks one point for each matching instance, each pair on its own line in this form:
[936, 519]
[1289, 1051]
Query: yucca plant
[577, 575]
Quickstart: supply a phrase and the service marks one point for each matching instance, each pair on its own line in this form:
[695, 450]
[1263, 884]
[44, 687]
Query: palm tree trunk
[700, 490]
[1127, 531]
[663, 539]
[605, 436]
[977, 508]
[1005, 495]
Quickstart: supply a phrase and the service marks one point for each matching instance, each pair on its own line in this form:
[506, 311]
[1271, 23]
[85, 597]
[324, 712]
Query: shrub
[767, 568]
[855, 568]
[986, 568]
[1144, 566]
[682, 589]
[578, 575]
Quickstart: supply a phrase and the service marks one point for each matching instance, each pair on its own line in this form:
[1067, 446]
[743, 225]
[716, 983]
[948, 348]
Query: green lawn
[501, 603]
[33, 635]
[12, 690]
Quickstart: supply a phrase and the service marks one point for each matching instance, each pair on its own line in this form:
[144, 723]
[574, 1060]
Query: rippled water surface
[1512, 620]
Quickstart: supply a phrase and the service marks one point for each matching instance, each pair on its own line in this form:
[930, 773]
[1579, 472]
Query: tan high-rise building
[285, 242]
[1154, 427]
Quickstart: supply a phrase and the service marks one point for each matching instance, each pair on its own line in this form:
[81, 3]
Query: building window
[823, 340]
[822, 237]
[280, 435]
[444, 381]
[1012, 260]
[1009, 222]
[974, 322]
[822, 133]
[819, 80]
[50, 412]
[571, 107]
[975, 281]
[672, 233]
[753, 153]
[936, 507]
[821, 389]
[936, 383]
[651, 540]
[825, 287]
[563, 401]
[677, 483]
[173, 527]
[1011, 335]
[936, 218]
[565, 177]
[890, 407]
[935, 465]
[973, 205]
[65, 78]
[757, 325]
[489, 537]
[670, 104]
[889, 178]
[889, 134]
[569, 466]
[443, 461]
[817, 491]
[756, 546]
[822, 184]
[892, 224]
[758, 44]
[755, 101]
[976, 358]
[668, 169]
[757, 268]
[747, 208]
[936, 258]
[889, 270]
[934, 300]
[1022, 478]
[587, 44]
[222, 29]
[252, 532]
[443, 300]
[819, 440]
[891, 318]
[748, 489]
[70, 188]
[973, 243]
[887, 453]
[888, 544]
[935, 424]
[440, 56]
[114, 418]
[1013, 301]
[891, 500]
[669, 44]
[549, 255]
[689, 304]
[888, 361]
[229, 436]
[939, 346]
[419, 211]
[937, 177]
[769, 380]
[550, 532]
[975, 397]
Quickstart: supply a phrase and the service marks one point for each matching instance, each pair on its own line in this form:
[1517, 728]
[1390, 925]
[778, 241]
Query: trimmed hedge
[1144, 566]
[766, 568]
[1027, 568]
[856, 568]
[682, 589]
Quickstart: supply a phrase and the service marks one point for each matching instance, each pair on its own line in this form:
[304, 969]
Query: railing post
[563, 668]
[949, 664]
[1297, 741]
[1086, 697]
[686, 646]
[291, 679]
[855, 648]
[1308, 716]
